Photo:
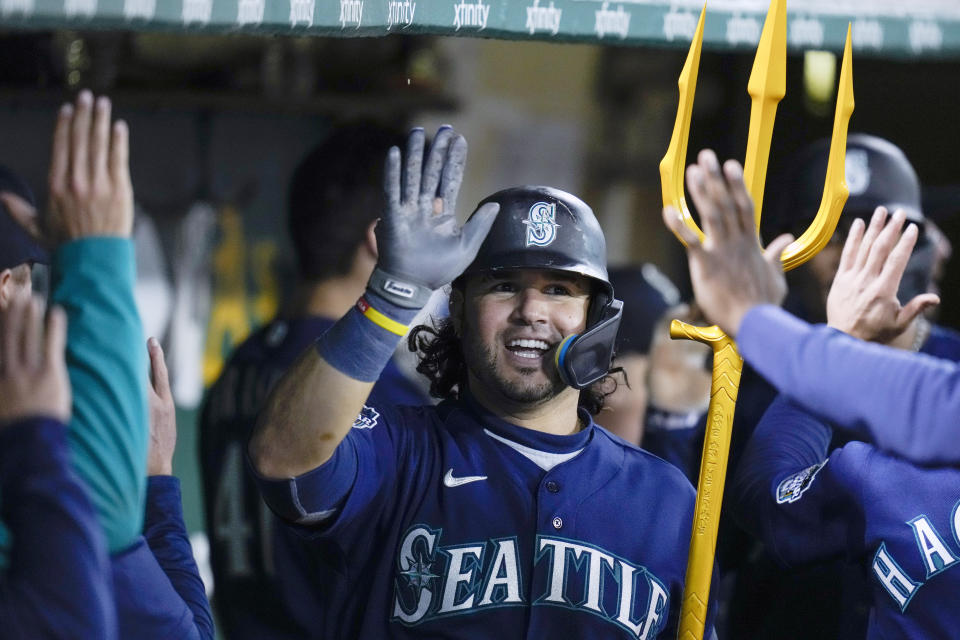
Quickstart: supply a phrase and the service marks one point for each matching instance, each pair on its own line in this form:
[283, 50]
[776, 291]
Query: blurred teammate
[335, 197]
[877, 173]
[18, 250]
[662, 408]
[172, 601]
[57, 580]
[504, 512]
[864, 501]
[88, 227]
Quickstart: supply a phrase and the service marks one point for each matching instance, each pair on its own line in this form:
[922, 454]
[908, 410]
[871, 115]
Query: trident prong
[673, 163]
[767, 86]
[835, 190]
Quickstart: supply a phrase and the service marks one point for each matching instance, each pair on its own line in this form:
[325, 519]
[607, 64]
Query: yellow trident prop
[766, 87]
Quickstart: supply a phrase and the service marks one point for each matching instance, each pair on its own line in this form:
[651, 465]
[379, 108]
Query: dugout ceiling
[887, 28]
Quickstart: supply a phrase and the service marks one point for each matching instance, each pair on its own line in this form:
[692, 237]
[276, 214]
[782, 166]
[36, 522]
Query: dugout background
[219, 122]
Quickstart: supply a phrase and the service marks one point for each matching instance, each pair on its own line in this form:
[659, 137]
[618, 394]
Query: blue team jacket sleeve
[903, 402]
[92, 279]
[167, 537]
[57, 584]
[803, 505]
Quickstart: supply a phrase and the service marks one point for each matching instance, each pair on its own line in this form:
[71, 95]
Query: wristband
[379, 319]
[362, 342]
[402, 293]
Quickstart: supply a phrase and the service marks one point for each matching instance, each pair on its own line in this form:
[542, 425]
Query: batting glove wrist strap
[362, 342]
[398, 291]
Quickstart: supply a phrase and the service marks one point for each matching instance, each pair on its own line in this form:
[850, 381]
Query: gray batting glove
[420, 245]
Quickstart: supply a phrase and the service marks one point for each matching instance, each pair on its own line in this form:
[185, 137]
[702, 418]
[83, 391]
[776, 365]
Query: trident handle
[767, 85]
[727, 367]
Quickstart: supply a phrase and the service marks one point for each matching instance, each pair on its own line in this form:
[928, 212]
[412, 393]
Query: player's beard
[483, 363]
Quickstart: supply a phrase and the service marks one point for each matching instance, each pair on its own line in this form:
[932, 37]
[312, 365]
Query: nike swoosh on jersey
[450, 481]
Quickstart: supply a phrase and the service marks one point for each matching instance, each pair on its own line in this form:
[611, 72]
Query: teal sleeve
[92, 279]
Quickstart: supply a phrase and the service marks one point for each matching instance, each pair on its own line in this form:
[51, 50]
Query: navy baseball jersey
[57, 583]
[244, 544]
[450, 522]
[899, 520]
[942, 343]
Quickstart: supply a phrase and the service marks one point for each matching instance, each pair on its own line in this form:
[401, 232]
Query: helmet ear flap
[582, 359]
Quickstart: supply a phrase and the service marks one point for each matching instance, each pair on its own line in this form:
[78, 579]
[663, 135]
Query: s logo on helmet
[857, 171]
[541, 224]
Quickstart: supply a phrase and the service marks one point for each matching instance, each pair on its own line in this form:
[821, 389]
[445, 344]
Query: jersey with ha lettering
[449, 522]
[900, 521]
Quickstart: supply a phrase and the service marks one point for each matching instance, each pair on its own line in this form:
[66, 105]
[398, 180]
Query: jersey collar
[532, 438]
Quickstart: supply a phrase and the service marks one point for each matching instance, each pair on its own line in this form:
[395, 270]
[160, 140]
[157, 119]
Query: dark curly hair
[442, 362]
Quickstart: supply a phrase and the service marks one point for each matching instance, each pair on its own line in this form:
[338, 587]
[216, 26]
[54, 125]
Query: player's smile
[529, 352]
[512, 323]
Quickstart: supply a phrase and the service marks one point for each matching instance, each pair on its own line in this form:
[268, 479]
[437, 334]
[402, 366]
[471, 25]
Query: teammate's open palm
[33, 374]
[729, 271]
[418, 238]
[863, 297]
[90, 189]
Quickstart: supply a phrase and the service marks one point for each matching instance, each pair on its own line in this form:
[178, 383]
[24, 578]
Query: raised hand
[90, 189]
[419, 241]
[863, 297]
[163, 415]
[729, 270]
[33, 373]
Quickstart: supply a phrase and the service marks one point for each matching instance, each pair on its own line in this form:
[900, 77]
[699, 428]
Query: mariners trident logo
[541, 224]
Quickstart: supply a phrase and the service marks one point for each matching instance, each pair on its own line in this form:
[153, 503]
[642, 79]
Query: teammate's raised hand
[863, 297]
[419, 241]
[33, 374]
[729, 271]
[163, 415]
[89, 181]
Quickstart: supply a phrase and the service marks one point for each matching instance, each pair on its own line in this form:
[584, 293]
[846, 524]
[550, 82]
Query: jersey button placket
[557, 522]
[553, 486]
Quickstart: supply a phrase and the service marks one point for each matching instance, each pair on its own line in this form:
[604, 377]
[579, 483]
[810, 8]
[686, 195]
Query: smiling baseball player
[505, 511]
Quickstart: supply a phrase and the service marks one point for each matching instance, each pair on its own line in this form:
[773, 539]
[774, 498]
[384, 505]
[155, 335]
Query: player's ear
[6, 288]
[370, 239]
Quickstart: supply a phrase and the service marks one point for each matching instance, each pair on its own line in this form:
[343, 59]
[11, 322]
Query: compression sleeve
[92, 279]
[786, 491]
[57, 584]
[167, 537]
[903, 402]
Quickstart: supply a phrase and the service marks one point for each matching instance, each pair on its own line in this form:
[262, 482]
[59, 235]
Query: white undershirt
[543, 459]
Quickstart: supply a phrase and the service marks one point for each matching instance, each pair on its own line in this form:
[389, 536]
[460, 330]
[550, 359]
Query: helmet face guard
[545, 228]
[583, 358]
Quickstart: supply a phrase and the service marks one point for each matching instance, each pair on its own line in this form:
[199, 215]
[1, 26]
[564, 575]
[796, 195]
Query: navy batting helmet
[16, 245]
[877, 174]
[545, 228]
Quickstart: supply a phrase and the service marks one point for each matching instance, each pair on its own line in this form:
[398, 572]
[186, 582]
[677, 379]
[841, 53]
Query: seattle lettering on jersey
[487, 574]
[934, 552]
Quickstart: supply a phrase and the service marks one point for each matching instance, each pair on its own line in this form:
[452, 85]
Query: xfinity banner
[891, 28]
